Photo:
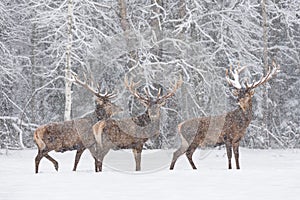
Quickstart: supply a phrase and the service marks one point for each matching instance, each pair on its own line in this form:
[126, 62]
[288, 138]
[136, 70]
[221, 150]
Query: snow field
[265, 174]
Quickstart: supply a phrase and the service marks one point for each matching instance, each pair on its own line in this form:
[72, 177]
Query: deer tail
[184, 142]
[38, 135]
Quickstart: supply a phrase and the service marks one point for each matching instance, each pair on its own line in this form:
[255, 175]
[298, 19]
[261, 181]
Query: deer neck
[246, 112]
[249, 107]
[142, 120]
[145, 119]
[101, 113]
[152, 128]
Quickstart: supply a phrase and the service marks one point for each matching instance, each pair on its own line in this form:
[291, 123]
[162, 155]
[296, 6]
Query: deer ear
[252, 93]
[235, 92]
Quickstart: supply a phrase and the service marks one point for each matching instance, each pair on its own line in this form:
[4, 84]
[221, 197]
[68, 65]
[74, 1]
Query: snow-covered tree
[153, 41]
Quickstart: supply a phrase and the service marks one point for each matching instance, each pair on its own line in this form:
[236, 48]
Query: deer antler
[106, 94]
[84, 84]
[132, 89]
[176, 85]
[266, 78]
[235, 82]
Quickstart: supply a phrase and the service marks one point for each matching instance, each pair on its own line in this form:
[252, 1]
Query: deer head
[245, 93]
[104, 107]
[151, 102]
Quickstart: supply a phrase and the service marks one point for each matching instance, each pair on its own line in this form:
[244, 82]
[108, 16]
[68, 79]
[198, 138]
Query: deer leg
[55, 163]
[189, 154]
[77, 157]
[37, 160]
[236, 154]
[182, 149]
[176, 155]
[99, 160]
[41, 154]
[137, 152]
[98, 165]
[229, 153]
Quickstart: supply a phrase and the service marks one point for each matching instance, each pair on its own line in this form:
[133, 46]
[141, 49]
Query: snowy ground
[265, 174]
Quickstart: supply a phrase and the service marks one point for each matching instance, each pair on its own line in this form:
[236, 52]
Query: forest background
[155, 41]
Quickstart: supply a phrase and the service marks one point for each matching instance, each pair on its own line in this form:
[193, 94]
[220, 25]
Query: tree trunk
[184, 91]
[125, 26]
[123, 15]
[155, 23]
[68, 83]
[265, 69]
[32, 60]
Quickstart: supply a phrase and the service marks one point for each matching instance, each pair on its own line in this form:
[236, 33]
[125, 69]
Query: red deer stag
[132, 133]
[74, 134]
[229, 128]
